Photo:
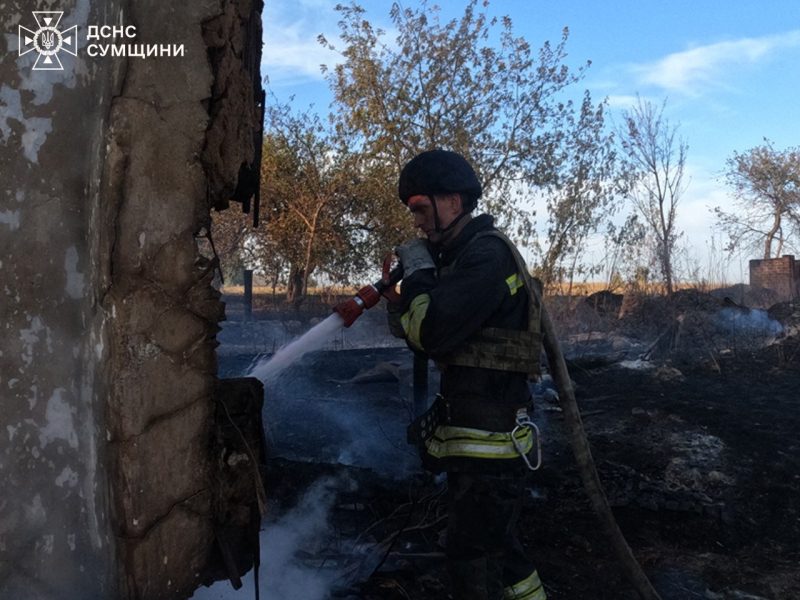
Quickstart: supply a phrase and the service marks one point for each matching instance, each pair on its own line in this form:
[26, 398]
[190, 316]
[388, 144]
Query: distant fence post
[248, 294]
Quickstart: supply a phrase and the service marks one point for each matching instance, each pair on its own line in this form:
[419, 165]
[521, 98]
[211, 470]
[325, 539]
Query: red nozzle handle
[370, 295]
[367, 297]
[389, 279]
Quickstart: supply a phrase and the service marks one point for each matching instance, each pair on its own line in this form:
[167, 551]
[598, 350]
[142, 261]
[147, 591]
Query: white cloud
[690, 70]
[704, 190]
[703, 241]
[292, 54]
[291, 51]
[629, 101]
[623, 101]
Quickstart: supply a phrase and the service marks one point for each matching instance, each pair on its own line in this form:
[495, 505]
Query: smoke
[302, 529]
[353, 425]
[313, 413]
[373, 441]
[755, 322]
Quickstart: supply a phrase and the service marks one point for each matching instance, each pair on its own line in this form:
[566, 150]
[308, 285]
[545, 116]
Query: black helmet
[439, 172]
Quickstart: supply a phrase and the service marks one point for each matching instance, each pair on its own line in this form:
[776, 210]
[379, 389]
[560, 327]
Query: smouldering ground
[699, 457]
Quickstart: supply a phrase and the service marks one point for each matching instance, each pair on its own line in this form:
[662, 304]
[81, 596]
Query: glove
[414, 255]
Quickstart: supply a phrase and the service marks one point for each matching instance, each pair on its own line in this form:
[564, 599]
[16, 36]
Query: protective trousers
[484, 557]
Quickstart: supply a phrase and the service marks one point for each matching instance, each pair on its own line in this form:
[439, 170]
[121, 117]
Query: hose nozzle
[367, 297]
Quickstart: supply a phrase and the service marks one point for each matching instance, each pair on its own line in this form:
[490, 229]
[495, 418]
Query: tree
[502, 106]
[309, 193]
[229, 229]
[623, 258]
[238, 246]
[583, 195]
[766, 189]
[657, 159]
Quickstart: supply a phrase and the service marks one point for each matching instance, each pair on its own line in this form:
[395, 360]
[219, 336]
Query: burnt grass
[699, 458]
[697, 541]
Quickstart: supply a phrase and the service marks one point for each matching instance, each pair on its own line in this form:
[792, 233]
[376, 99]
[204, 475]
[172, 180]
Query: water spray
[344, 315]
[268, 369]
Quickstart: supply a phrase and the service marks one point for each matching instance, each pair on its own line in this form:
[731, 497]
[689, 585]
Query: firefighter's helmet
[439, 172]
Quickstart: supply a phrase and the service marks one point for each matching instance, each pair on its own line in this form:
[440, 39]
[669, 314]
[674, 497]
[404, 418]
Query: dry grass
[264, 290]
[587, 288]
[579, 289]
[584, 288]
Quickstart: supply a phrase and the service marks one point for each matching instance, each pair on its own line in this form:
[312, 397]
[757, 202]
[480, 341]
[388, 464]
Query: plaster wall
[109, 169]
[54, 533]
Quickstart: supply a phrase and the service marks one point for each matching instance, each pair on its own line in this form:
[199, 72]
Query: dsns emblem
[48, 41]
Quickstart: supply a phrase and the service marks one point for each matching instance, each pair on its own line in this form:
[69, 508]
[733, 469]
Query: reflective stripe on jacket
[411, 320]
[490, 347]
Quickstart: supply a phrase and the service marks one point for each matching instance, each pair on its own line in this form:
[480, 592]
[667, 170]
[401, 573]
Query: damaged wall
[107, 363]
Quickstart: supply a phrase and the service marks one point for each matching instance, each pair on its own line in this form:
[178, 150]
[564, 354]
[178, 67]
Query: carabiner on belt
[524, 420]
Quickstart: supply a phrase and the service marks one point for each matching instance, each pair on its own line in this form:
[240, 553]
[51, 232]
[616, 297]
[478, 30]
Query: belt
[482, 414]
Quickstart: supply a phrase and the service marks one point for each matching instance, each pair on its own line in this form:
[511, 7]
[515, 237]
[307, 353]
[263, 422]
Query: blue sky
[730, 72]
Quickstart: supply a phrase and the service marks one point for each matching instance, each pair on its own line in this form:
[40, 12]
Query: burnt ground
[699, 459]
[704, 475]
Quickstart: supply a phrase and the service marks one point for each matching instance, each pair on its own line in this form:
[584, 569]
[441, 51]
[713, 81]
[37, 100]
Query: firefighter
[467, 302]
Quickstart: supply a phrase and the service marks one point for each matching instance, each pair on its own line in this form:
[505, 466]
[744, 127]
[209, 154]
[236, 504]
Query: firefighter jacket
[474, 316]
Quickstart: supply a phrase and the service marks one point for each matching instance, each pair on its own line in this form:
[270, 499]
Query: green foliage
[313, 197]
[472, 86]
[585, 193]
[766, 189]
[329, 186]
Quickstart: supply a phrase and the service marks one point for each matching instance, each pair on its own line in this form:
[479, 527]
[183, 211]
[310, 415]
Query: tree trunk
[312, 236]
[294, 289]
[307, 268]
[776, 225]
[666, 263]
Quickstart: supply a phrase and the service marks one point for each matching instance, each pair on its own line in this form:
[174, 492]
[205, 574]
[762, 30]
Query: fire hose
[369, 295]
[588, 471]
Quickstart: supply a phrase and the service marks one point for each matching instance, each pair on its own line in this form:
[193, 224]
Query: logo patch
[48, 40]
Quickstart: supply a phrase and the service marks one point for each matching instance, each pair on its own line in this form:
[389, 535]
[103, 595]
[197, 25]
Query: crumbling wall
[781, 275]
[107, 365]
[160, 192]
